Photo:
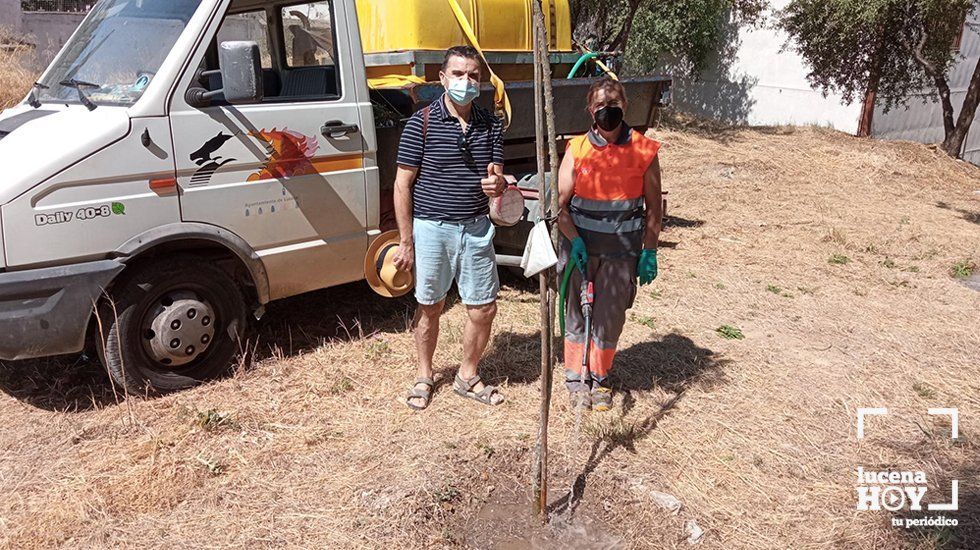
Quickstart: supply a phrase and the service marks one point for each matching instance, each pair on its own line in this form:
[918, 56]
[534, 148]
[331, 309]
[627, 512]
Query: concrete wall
[10, 15]
[48, 32]
[922, 119]
[754, 80]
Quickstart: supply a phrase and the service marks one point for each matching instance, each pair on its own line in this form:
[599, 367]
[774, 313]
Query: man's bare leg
[476, 335]
[426, 337]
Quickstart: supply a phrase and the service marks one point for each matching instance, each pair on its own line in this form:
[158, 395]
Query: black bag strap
[425, 125]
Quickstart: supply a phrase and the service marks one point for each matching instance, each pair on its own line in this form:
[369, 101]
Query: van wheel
[171, 325]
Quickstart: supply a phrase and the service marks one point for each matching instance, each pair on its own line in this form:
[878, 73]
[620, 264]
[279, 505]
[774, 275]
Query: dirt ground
[832, 257]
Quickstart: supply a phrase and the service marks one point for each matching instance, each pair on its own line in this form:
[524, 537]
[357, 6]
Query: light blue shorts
[463, 251]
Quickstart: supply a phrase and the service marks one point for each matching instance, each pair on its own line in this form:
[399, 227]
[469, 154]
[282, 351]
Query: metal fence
[57, 5]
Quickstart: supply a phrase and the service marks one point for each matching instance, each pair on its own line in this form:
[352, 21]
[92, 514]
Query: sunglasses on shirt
[464, 147]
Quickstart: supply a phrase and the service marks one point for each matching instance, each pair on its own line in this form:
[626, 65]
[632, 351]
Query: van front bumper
[46, 311]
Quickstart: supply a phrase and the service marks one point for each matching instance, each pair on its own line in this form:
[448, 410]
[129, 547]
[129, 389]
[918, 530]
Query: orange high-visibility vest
[607, 206]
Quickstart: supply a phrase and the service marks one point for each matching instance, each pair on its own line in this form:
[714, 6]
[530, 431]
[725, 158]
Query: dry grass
[311, 446]
[16, 76]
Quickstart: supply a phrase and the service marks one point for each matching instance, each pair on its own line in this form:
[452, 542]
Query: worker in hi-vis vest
[611, 213]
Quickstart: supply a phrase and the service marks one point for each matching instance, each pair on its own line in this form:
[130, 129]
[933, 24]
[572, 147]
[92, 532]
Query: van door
[286, 174]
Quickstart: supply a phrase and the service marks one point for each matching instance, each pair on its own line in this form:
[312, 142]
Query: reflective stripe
[607, 206]
[602, 226]
[600, 359]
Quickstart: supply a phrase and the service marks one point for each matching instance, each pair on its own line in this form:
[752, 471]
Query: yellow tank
[500, 25]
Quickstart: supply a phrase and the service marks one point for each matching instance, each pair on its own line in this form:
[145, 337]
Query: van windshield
[116, 52]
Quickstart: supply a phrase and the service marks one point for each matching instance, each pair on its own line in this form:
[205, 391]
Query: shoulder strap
[425, 125]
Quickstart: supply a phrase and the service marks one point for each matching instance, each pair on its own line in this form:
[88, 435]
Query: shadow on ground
[947, 461]
[967, 215]
[674, 364]
[289, 327]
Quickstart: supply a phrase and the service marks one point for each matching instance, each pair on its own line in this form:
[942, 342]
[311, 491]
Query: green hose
[563, 295]
[586, 57]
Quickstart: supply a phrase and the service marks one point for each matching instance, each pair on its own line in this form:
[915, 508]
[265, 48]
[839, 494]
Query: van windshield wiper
[32, 100]
[79, 85]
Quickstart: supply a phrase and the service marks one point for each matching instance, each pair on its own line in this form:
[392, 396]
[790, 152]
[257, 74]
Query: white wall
[754, 80]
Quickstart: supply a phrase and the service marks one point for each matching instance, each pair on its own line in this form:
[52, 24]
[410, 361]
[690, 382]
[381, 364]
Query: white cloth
[539, 254]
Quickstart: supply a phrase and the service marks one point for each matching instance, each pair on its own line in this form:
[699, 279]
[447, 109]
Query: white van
[182, 163]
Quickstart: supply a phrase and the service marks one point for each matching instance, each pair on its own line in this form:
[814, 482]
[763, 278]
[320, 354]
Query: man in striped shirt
[450, 163]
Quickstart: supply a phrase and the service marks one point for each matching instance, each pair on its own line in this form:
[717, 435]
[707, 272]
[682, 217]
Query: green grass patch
[923, 390]
[729, 332]
[838, 259]
[963, 269]
[774, 289]
[211, 420]
[343, 385]
[648, 322]
[447, 493]
[656, 294]
[889, 263]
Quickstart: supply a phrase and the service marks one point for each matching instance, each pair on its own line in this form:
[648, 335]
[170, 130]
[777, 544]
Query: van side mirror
[241, 71]
[241, 76]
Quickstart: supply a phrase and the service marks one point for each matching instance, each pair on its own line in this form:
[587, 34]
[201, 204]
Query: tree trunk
[619, 43]
[939, 78]
[947, 103]
[954, 140]
[870, 95]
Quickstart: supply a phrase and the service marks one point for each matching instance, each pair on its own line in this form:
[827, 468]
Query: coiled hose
[563, 295]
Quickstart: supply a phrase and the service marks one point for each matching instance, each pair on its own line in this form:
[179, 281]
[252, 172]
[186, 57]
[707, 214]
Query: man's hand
[404, 258]
[494, 184]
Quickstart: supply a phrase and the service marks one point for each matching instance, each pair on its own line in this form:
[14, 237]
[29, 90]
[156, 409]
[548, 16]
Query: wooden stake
[540, 481]
[542, 73]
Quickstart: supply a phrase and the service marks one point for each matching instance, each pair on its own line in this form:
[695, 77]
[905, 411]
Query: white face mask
[462, 90]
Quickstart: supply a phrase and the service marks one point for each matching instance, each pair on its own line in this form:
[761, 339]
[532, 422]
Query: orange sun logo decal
[290, 154]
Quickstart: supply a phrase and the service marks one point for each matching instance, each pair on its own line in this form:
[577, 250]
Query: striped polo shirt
[450, 163]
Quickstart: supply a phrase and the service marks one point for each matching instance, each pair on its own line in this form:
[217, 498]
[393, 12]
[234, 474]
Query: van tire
[132, 304]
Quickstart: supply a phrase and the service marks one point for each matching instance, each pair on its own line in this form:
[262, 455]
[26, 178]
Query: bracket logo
[895, 491]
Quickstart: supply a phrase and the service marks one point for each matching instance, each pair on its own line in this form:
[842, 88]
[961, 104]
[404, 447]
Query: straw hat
[379, 267]
[507, 209]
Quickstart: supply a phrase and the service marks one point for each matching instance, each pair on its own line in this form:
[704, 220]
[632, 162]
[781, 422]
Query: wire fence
[57, 5]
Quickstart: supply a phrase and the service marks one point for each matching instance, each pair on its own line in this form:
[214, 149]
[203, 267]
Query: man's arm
[654, 201]
[404, 180]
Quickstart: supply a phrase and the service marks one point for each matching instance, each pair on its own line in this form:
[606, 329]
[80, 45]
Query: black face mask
[609, 117]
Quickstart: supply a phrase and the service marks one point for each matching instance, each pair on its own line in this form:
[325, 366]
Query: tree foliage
[651, 31]
[897, 48]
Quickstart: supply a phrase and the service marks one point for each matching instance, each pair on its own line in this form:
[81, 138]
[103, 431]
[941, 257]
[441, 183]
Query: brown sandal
[424, 395]
[465, 388]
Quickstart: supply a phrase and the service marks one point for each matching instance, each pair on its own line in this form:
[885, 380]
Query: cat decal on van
[208, 161]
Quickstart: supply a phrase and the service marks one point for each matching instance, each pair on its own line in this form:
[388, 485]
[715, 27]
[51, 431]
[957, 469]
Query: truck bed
[646, 95]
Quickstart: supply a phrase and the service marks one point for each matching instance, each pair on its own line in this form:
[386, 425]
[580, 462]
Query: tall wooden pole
[540, 483]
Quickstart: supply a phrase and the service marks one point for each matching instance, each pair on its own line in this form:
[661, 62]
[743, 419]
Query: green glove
[646, 268]
[579, 255]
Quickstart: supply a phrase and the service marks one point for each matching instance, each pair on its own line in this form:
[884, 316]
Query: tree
[891, 49]
[647, 30]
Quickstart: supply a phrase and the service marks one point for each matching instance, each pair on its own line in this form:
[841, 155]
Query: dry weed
[754, 436]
